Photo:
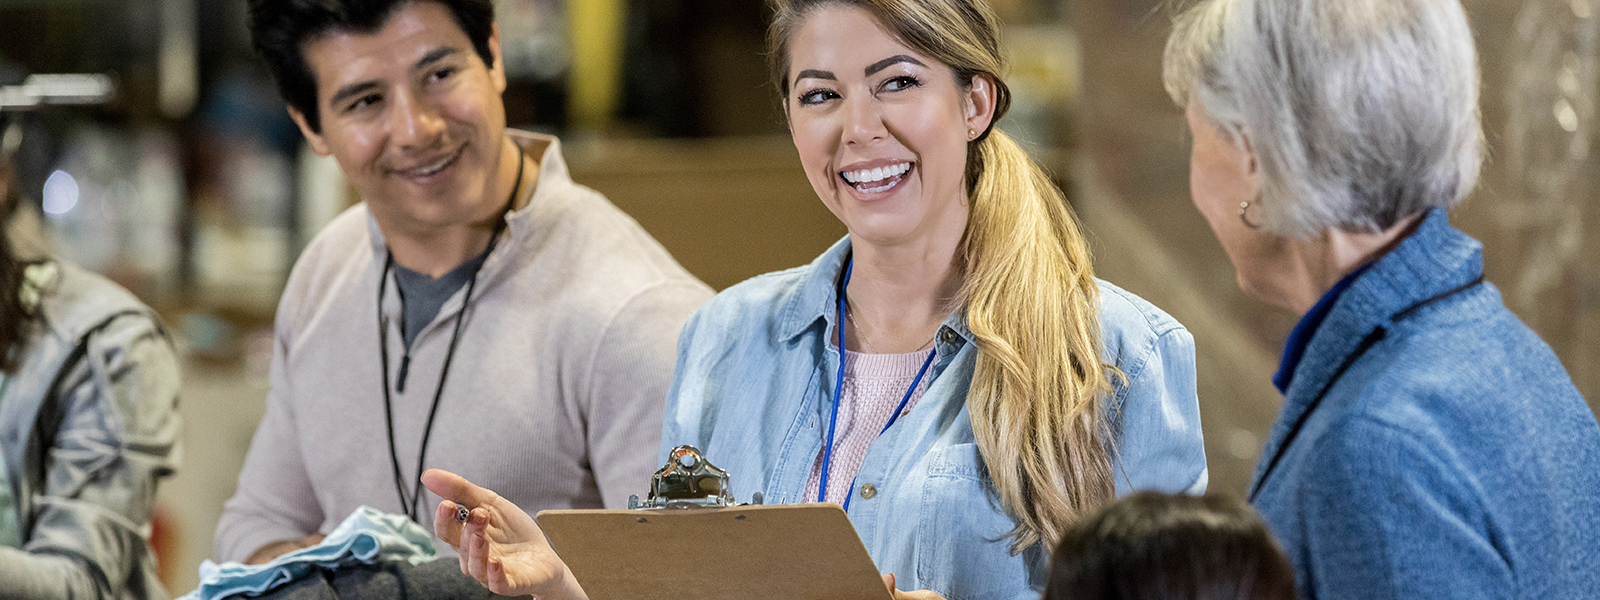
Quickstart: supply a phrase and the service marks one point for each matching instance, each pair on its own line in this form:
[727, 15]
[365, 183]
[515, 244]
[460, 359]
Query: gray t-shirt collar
[422, 296]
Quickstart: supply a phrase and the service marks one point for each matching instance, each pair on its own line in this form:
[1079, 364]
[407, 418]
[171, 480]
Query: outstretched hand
[500, 545]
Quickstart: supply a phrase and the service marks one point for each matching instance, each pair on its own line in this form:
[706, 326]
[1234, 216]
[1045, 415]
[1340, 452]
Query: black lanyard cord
[408, 502]
[1376, 335]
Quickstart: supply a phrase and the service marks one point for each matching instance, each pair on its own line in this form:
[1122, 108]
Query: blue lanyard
[838, 393]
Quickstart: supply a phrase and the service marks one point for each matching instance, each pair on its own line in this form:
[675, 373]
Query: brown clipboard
[776, 552]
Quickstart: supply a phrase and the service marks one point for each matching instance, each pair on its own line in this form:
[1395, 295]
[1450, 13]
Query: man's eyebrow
[353, 90]
[896, 59]
[435, 55]
[814, 74]
[359, 88]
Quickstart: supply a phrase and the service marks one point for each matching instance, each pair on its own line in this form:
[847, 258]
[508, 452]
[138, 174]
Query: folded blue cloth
[366, 536]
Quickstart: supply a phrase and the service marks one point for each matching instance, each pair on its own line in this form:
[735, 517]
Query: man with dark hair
[478, 312]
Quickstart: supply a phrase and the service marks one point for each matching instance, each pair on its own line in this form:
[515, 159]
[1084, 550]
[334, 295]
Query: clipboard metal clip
[688, 481]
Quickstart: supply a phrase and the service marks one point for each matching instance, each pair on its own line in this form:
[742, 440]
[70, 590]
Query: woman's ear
[1247, 155]
[788, 123]
[1251, 167]
[980, 103]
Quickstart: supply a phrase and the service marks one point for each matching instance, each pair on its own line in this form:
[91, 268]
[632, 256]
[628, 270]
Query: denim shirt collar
[1433, 260]
[815, 301]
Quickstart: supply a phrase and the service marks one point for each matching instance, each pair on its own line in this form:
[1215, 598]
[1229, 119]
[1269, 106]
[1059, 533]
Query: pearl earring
[1243, 206]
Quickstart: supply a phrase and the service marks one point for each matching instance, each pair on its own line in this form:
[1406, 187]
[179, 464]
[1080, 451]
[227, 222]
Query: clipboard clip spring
[688, 481]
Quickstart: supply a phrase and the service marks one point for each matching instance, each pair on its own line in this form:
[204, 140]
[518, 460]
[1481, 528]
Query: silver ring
[462, 513]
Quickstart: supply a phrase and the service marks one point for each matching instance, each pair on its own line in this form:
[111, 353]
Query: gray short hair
[1360, 112]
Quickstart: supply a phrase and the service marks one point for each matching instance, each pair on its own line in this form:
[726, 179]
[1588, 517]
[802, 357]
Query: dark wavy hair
[280, 28]
[1153, 546]
[16, 317]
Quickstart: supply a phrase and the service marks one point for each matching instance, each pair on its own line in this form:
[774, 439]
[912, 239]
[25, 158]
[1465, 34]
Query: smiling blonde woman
[990, 390]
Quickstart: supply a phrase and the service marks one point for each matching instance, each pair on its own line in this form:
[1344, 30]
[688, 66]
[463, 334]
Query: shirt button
[947, 336]
[868, 491]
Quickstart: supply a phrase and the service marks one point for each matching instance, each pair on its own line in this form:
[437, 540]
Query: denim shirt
[1431, 445]
[755, 377]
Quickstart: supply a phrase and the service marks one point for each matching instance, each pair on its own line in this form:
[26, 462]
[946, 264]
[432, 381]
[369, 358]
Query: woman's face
[1222, 174]
[882, 130]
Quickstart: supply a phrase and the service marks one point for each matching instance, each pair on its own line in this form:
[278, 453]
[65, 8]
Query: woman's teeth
[876, 180]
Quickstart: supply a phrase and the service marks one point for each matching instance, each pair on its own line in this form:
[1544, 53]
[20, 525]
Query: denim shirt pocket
[964, 552]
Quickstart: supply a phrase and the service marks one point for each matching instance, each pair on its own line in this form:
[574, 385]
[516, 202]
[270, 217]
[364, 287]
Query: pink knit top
[873, 387]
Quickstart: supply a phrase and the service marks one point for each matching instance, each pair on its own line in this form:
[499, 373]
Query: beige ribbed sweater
[554, 399]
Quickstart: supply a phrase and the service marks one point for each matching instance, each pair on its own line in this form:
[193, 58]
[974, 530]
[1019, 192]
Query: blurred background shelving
[194, 190]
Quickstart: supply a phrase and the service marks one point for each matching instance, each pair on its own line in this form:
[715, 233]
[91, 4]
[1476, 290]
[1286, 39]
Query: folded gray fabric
[367, 536]
[400, 580]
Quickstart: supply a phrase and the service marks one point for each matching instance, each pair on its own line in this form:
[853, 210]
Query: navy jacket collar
[1295, 348]
[1433, 260]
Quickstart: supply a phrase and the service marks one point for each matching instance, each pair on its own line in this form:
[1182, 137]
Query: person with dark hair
[1153, 546]
[88, 428]
[477, 311]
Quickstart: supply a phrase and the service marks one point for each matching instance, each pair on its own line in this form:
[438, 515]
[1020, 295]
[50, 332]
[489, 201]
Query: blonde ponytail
[1032, 303]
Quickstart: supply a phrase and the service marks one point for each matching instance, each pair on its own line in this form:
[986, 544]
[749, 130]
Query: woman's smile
[881, 129]
[870, 182]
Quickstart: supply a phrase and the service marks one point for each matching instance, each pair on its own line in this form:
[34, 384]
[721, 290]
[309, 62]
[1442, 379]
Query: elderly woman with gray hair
[1430, 444]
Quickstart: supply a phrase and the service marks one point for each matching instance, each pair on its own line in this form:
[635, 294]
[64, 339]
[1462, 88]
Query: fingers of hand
[464, 550]
[888, 580]
[456, 488]
[499, 582]
[445, 525]
[475, 549]
[497, 513]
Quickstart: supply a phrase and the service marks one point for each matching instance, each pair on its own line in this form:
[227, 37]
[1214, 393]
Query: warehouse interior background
[193, 188]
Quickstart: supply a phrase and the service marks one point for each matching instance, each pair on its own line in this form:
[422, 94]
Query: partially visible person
[88, 428]
[1154, 546]
[1430, 445]
[951, 373]
[478, 311]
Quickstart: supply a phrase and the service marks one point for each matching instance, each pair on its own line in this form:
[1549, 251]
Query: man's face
[414, 118]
